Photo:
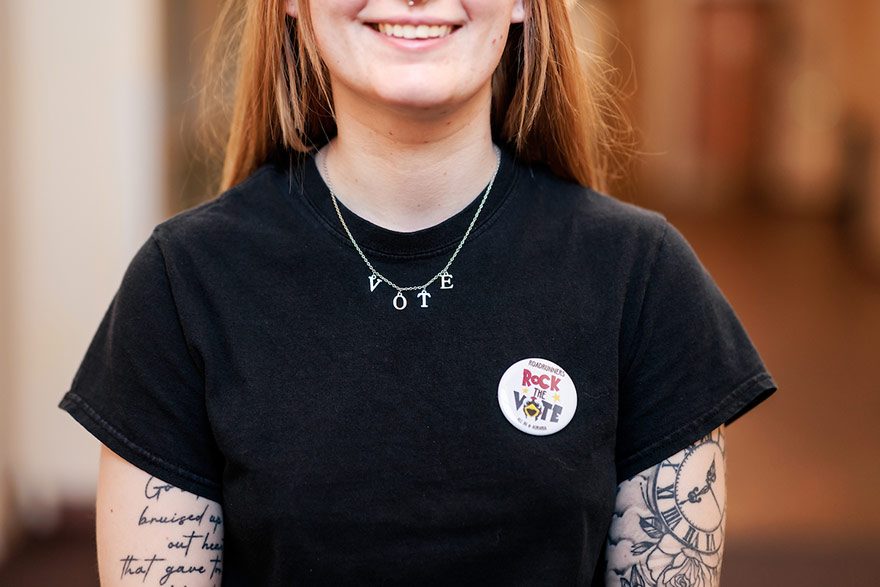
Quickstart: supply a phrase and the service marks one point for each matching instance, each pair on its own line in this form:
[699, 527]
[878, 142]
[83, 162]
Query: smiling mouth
[409, 31]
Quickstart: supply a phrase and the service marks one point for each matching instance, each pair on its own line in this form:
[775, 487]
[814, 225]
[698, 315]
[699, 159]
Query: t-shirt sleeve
[691, 365]
[140, 388]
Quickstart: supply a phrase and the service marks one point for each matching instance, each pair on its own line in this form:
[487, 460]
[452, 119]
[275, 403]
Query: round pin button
[537, 396]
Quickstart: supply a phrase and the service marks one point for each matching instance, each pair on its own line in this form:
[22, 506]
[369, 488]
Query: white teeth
[408, 31]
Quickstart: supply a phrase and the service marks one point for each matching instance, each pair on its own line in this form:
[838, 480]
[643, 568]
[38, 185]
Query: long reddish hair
[547, 103]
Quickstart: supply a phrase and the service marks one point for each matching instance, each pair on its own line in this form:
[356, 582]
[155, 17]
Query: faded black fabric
[245, 358]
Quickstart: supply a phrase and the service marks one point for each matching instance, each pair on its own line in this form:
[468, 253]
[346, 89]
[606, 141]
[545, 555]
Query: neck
[406, 172]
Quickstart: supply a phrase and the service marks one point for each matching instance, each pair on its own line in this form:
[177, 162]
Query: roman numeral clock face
[690, 497]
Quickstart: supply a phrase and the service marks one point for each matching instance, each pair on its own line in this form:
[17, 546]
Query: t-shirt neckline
[428, 241]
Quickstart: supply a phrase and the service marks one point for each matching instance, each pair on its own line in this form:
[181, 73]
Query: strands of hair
[267, 90]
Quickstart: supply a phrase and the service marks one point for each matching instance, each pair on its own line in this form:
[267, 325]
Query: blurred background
[759, 126]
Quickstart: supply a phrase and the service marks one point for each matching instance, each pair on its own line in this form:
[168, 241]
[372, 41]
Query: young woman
[412, 342]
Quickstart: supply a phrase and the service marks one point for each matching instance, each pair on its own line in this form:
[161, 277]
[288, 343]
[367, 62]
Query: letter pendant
[446, 280]
[424, 295]
[399, 301]
[374, 282]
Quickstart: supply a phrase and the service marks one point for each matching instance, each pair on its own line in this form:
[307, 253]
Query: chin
[419, 97]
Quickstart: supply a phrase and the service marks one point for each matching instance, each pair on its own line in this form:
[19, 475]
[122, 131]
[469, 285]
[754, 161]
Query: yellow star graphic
[556, 397]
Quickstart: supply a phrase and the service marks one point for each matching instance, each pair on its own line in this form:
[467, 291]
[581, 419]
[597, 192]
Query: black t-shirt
[478, 434]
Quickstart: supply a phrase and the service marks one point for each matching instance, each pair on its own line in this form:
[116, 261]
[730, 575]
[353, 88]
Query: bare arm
[668, 524]
[152, 533]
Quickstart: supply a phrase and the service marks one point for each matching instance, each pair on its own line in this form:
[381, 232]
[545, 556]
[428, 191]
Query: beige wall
[82, 188]
[5, 271]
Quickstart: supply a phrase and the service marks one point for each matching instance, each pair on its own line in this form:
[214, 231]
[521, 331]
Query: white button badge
[537, 396]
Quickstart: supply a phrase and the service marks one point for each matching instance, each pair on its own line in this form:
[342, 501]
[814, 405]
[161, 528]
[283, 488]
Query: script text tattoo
[192, 543]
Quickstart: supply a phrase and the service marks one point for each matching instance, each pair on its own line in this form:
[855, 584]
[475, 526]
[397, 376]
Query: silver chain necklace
[399, 302]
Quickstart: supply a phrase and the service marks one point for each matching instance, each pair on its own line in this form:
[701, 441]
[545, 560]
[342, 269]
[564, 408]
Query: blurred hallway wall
[823, 143]
[856, 65]
[82, 180]
[758, 102]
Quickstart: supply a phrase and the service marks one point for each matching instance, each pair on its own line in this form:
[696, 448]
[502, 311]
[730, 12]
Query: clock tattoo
[668, 523]
[694, 514]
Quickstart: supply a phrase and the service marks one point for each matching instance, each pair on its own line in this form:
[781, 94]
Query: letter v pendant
[399, 301]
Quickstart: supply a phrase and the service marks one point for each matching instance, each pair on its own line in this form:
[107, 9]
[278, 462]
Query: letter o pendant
[402, 303]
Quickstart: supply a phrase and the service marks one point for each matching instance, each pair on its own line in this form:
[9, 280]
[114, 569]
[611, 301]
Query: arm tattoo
[668, 524]
[192, 537]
